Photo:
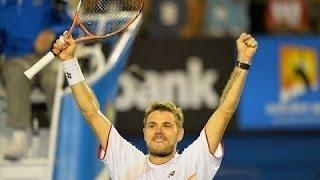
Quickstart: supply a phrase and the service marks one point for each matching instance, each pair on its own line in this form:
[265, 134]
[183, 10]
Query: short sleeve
[121, 157]
[201, 162]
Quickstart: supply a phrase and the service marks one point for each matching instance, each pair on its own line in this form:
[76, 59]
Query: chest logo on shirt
[171, 174]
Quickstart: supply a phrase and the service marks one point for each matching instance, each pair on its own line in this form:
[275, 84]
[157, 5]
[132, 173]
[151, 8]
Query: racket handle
[33, 70]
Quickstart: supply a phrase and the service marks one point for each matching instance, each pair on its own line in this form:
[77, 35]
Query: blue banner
[282, 90]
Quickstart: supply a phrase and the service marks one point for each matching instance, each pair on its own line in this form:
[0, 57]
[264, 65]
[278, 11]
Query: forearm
[232, 92]
[89, 107]
[218, 122]
[85, 99]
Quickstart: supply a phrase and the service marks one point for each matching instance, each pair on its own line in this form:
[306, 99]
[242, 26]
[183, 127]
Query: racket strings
[102, 17]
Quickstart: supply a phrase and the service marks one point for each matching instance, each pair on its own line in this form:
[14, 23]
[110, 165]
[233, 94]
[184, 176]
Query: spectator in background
[286, 16]
[314, 15]
[28, 28]
[225, 18]
[173, 18]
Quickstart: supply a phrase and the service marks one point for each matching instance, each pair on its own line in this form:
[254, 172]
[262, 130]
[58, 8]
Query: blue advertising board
[282, 90]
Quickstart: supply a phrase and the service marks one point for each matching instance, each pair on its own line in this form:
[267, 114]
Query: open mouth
[159, 140]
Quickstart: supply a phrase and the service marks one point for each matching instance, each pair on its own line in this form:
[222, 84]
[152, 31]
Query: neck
[158, 160]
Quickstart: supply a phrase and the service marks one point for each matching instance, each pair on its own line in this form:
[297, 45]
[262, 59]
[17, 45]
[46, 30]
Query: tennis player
[163, 126]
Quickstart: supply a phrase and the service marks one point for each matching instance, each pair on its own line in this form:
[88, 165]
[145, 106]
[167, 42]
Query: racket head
[98, 19]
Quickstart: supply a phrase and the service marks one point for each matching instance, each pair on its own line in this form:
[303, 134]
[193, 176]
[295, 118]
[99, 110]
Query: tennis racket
[96, 19]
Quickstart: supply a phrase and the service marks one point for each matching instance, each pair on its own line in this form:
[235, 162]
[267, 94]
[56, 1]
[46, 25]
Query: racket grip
[33, 70]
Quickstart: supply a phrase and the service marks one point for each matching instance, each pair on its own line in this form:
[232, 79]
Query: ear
[180, 134]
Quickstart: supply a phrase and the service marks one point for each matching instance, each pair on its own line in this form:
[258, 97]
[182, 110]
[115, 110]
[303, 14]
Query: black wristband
[243, 65]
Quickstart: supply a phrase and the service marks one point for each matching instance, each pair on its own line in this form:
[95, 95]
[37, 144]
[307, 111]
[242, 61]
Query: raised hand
[247, 47]
[65, 47]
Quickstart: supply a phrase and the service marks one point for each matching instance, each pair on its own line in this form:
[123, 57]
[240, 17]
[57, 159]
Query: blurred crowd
[27, 30]
[228, 18]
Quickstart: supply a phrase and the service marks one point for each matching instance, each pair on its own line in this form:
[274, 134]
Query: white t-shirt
[125, 162]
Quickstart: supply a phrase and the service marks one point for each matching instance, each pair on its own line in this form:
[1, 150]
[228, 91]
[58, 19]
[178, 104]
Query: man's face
[161, 133]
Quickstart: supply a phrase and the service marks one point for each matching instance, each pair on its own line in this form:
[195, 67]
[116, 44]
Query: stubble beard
[161, 153]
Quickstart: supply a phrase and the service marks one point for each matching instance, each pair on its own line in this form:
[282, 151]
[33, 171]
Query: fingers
[69, 41]
[248, 40]
[65, 46]
[251, 42]
[244, 37]
[68, 38]
[254, 43]
[55, 50]
[63, 42]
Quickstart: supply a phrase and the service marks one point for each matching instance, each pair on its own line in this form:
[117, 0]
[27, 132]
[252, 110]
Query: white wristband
[72, 71]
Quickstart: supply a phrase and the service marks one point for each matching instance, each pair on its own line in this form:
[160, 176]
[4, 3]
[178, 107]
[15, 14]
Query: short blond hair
[165, 106]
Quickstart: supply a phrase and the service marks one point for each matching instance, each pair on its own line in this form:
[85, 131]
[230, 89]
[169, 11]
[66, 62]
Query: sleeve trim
[219, 151]
[103, 152]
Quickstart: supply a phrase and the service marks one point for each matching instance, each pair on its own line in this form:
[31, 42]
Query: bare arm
[85, 98]
[218, 122]
[90, 109]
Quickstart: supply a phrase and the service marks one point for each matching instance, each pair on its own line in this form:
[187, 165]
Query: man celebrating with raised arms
[163, 126]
